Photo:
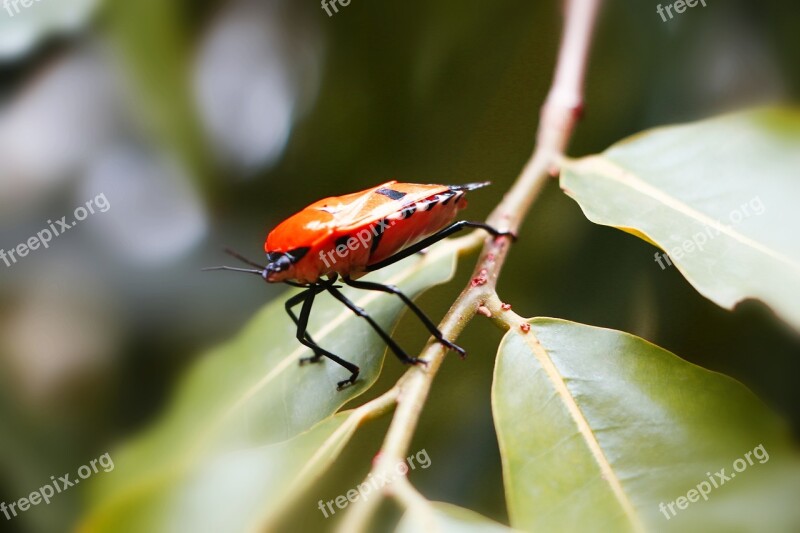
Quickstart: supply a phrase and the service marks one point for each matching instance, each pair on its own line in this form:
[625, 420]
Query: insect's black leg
[391, 289]
[304, 338]
[398, 351]
[293, 302]
[436, 237]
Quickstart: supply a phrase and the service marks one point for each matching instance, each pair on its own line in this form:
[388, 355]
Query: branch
[559, 114]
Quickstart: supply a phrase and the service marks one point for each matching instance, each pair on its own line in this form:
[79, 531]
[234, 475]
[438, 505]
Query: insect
[346, 237]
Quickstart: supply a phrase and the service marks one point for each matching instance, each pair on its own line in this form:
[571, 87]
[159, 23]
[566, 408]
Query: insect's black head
[278, 268]
[280, 264]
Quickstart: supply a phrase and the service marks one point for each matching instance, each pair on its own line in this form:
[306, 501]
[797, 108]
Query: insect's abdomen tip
[470, 186]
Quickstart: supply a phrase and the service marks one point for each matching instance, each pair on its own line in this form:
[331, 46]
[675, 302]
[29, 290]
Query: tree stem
[559, 114]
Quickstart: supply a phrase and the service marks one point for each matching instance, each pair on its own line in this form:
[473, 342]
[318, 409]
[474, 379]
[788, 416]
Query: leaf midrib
[602, 166]
[607, 472]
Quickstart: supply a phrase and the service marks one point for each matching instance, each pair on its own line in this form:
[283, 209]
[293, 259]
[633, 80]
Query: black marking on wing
[430, 204]
[446, 197]
[408, 211]
[342, 241]
[297, 254]
[378, 231]
[390, 193]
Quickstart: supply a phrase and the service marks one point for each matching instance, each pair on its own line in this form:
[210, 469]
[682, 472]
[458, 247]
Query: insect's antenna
[234, 269]
[243, 259]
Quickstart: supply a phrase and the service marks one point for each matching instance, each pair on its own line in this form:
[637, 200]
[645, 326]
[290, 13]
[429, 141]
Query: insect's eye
[280, 263]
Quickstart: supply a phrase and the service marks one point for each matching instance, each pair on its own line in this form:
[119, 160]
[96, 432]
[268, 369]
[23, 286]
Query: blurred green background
[207, 122]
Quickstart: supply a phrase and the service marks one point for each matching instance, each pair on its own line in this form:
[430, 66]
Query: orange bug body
[346, 234]
[346, 237]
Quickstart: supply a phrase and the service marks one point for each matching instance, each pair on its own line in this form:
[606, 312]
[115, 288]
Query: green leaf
[439, 517]
[22, 28]
[237, 491]
[242, 399]
[719, 196]
[597, 428]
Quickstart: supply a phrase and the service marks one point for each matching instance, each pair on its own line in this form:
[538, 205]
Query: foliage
[596, 427]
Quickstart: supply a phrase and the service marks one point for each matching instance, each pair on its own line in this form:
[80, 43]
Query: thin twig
[414, 502]
[378, 406]
[559, 114]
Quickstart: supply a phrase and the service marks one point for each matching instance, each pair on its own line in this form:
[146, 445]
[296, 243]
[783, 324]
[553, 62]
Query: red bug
[351, 235]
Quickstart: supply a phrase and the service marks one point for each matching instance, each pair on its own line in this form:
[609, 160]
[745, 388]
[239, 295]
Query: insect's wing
[380, 202]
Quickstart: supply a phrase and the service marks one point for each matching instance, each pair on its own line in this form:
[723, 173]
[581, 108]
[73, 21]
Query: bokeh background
[205, 122]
